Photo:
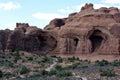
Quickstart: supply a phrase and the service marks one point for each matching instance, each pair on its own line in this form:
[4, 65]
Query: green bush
[84, 66]
[24, 70]
[16, 56]
[52, 72]
[1, 74]
[101, 63]
[30, 58]
[58, 67]
[44, 72]
[64, 74]
[108, 73]
[75, 65]
[116, 63]
[60, 60]
[71, 59]
[46, 59]
[35, 75]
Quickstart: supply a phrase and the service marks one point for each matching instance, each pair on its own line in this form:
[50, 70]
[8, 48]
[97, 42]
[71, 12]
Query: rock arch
[97, 38]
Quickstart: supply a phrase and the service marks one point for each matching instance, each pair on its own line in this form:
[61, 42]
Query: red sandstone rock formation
[88, 31]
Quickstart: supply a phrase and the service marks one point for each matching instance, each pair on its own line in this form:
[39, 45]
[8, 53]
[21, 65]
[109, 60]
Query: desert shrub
[64, 74]
[77, 58]
[84, 66]
[108, 73]
[1, 74]
[75, 65]
[16, 56]
[24, 70]
[116, 63]
[30, 58]
[58, 67]
[52, 72]
[60, 60]
[10, 64]
[101, 63]
[46, 59]
[71, 59]
[44, 72]
[35, 75]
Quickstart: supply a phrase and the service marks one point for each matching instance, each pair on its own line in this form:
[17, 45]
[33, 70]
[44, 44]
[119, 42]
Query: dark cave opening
[76, 41]
[96, 40]
[59, 22]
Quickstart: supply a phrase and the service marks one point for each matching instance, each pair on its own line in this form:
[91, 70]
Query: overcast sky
[40, 12]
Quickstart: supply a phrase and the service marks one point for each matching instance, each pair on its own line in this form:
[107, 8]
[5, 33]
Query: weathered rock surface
[29, 38]
[88, 31]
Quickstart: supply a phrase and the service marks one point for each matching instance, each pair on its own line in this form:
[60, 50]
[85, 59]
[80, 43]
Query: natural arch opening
[96, 40]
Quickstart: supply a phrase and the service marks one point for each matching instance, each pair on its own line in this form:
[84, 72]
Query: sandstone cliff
[88, 31]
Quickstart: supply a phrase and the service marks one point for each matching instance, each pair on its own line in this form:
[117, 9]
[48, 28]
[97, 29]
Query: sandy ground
[92, 57]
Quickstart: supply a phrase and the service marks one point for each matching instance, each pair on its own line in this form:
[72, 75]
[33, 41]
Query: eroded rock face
[89, 31]
[4, 34]
[27, 38]
[86, 32]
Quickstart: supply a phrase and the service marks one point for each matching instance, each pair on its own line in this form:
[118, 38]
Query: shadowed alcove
[47, 43]
[96, 39]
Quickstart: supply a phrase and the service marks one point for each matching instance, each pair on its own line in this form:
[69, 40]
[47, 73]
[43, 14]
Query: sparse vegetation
[84, 66]
[24, 70]
[64, 74]
[72, 59]
[116, 63]
[46, 59]
[60, 60]
[74, 66]
[52, 72]
[108, 73]
[35, 75]
[34, 66]
[44, 72]
[30, 58]
[58, 67]
[101, 63]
